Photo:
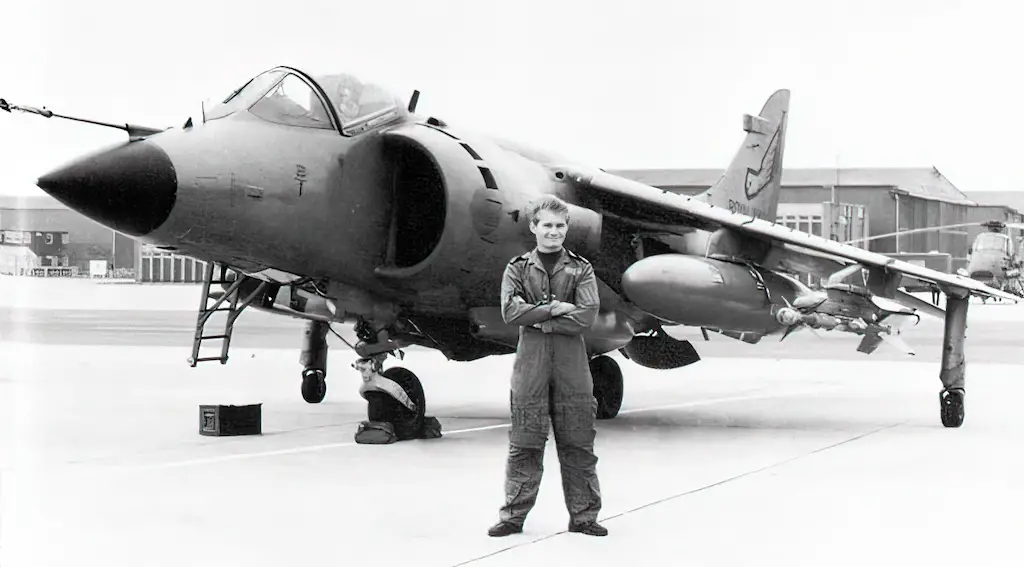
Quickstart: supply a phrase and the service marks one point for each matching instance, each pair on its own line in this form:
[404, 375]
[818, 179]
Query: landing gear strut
[607, 386]
[954, 365]
[314, 361]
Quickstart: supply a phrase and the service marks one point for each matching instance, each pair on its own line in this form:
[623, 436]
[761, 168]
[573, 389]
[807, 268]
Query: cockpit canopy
[287, 96]
[993, 241]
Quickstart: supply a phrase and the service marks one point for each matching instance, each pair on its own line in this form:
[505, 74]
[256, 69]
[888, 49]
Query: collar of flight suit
[563, 259]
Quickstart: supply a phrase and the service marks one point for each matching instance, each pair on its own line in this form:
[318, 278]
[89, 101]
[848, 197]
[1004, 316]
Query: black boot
[590, 528]
[502, 529]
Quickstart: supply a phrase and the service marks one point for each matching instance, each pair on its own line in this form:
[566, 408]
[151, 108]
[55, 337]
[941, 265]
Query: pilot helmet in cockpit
[354, 99]
[349, 90]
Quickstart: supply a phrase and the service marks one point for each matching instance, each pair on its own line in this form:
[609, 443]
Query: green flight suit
[551, 383]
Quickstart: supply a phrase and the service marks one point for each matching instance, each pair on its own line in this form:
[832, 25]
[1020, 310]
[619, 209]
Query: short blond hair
[547, 203]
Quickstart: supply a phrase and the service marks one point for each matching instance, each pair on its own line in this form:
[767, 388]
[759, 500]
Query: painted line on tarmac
[326, 446]
[133, 329]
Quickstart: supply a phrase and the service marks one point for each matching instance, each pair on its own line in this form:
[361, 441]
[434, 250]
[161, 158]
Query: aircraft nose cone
[130, 188]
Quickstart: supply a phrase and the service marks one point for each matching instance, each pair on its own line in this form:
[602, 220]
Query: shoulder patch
[577, 256]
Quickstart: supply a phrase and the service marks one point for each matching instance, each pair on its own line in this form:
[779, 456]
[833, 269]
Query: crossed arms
[550, 316]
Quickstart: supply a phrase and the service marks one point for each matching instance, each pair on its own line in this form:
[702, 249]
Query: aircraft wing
[640, 202]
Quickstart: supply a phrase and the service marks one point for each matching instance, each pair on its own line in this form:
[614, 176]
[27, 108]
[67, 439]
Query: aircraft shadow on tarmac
[764, 415]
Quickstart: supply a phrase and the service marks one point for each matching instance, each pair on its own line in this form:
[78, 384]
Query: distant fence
[51, 272]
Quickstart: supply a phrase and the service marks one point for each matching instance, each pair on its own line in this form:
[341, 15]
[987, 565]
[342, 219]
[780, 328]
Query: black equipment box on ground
[231, 420]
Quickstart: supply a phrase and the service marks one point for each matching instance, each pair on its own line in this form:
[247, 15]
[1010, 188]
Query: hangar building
[81, 239]
[851, 203]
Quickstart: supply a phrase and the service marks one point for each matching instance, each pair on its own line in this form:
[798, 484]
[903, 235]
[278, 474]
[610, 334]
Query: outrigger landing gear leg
[954, 365]
[314, 362]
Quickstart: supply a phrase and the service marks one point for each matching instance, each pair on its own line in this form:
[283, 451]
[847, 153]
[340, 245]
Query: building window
[64, 238]
[804, 224]
[816, 226]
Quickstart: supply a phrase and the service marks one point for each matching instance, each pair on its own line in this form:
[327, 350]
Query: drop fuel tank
[704, 292]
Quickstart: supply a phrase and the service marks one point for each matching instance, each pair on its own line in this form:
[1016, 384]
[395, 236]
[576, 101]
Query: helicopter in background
[993, 258]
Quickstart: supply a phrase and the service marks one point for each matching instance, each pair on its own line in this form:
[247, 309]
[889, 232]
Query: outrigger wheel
[607, 386]
[314, 385]
[952, 407]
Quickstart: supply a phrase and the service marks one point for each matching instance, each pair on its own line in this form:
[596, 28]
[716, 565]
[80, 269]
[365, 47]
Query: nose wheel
[385, 407]
[314, 385]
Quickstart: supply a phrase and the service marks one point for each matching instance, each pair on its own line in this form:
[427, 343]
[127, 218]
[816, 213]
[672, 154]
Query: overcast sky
[616, 84]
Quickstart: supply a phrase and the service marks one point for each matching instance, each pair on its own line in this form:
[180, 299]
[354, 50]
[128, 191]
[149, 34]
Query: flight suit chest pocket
[540, 285]
[563, 287]
[533, 290]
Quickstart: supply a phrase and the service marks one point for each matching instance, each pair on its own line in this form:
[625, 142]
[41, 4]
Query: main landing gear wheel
[607, 386]
[382, 407]
[952, 407]
[314, 385]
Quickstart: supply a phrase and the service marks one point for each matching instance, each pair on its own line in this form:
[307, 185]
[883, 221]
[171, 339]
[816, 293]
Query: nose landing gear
[394, 396]
[396, 403]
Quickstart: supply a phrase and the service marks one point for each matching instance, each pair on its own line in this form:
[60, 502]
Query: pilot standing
[551, 294]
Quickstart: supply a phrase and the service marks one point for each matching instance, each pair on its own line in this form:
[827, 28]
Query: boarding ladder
[234, 308]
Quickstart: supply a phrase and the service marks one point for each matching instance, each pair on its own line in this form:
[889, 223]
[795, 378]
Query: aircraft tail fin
[751, 184]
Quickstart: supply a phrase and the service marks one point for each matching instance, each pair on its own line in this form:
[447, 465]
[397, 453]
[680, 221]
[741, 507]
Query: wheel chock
[383, 432]
[431, 428]
[376, 433]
